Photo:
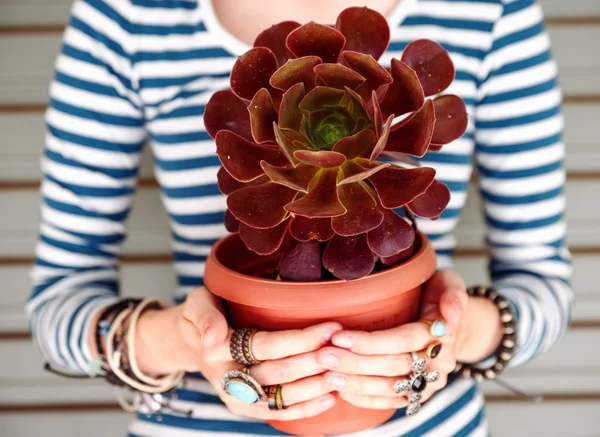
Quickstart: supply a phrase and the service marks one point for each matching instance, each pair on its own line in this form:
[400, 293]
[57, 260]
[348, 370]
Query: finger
[281, 344]
[287, 369]
[302, 410]
[362, 385]
[403, 339]
[434, 387]
[444, 294]
[375, 402]
[349, 362]
[302, 391]
[204, 310]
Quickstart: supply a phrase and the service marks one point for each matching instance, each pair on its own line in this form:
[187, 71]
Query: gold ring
[437, 328]
[434, 350]
[274, 400]
[240, 346]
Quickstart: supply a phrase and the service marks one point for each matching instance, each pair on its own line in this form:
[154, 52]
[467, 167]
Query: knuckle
[282, 372]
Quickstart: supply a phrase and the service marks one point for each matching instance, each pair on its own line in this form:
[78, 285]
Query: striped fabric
[139, 72]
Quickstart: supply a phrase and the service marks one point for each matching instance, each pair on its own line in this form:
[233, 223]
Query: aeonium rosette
[299, 135]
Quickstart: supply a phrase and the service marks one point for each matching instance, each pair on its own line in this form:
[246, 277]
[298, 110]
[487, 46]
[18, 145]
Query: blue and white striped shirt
[136, 72]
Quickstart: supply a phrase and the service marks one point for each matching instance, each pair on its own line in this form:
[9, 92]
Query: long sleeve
[93, 143]
[519, 156]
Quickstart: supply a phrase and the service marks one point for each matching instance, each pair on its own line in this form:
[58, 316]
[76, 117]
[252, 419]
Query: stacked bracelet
[507, 345]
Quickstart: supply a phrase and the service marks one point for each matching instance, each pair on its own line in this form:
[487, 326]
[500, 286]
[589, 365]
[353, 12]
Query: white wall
[34, 403]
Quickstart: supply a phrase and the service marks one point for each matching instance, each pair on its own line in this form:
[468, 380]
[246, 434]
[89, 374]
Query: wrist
[480, 331]
[158, 348]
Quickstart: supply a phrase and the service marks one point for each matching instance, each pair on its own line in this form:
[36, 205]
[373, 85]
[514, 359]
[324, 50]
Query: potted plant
[315, 165]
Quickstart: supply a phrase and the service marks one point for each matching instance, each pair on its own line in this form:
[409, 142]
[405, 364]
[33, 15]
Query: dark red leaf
[398, 258]
[392, 236]
[338, 76]
[290, 114]
[321, 97]
[356, 106]
[348, 257]
[363, 214]
[306, 229]
[405, 94]
[398, 186]
[357, 145]
[295, 71]
[264, 241]
[260, 206]
[377, 115]
[383, 139]
[320, 158]
[231, 223]
[301, 262]
[227, 184]
[262, 116]
[252, 72]
[289, 141]
[313, 39]
[432, 64]
[226, 111]
[451, 119]
[241, 158]
[322, 200]
[432, 202]
[274, 38]
[366, 30]
[376, 75]
[413, 135]
[297, 178]
[359, 169]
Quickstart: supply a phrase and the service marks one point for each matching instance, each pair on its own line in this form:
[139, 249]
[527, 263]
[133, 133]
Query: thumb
[445, 294]
[205, 311]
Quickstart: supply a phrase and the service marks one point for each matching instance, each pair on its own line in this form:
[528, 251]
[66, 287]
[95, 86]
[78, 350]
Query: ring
[274, 400]
[415, 385]
[434, 350]
[240, 385]
[241, 346]
[437, 328]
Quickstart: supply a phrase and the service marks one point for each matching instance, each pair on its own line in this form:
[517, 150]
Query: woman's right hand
[194, 337]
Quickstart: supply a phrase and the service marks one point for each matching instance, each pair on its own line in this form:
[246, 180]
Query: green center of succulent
[332, 133]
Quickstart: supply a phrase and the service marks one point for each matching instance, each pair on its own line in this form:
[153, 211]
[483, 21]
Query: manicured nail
[343, 341]
[330, 360]
[338, 381]
[326, 403]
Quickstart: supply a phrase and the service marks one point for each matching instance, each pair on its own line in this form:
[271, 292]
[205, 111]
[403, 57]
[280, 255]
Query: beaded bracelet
[507, 345]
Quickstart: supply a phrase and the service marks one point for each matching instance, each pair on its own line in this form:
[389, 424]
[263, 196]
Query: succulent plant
[299, 135]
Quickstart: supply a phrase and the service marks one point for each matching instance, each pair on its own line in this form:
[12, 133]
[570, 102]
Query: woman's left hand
[364, 366]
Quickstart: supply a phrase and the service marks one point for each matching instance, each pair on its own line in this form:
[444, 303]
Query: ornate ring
[241, 346]
[415, 385]
[437, 328]
[434, 350]
[273, 393]
[240, 385]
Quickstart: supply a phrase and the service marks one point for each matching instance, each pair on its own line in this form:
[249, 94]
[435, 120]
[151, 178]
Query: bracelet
[507, 345]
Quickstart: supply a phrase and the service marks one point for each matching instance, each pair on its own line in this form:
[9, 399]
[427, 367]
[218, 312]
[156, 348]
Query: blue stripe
[188, 164]
[397, 46]
[519, 147]
[186, 137]
[520, 93]
[195, 191]
[519, 174]
[92, 191]
[164, 82]
[186, 55]
[102, 117]
[95, 143]
[522, 199]
[521, 226]
[521, 120]
[199, 219]
[447, 23]
[472, 425]
[86, 85]
[518, 37]
[85, 28]
[167, 4]
[116, 173]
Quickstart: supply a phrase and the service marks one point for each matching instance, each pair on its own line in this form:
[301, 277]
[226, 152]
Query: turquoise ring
[240, 385]
[437, 328]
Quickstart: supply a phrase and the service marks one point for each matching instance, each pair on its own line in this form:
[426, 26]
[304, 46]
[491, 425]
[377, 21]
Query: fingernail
[338, 381]
[326, 403]
[329, 333]
[330, 360]
[343, 341]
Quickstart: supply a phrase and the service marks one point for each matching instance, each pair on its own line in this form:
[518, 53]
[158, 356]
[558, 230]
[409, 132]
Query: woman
[132, 71]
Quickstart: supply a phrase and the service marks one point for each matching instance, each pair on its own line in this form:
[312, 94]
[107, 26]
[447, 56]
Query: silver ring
[415, 385]
[243, 387]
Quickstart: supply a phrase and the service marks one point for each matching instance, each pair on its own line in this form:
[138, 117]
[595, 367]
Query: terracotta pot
[381, 300]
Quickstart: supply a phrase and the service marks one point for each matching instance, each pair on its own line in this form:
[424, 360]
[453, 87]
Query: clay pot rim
[253, 291]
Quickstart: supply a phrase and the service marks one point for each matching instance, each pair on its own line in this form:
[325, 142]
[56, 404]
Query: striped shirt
[139, 72]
